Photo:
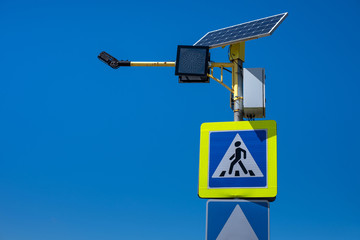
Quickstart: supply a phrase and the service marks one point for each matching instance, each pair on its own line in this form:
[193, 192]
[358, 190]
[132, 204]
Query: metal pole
[238, 90]
[237, 56]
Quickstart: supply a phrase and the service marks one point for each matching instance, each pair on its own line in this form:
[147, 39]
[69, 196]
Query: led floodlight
[113, 62]
[192, 61]
[109, 60]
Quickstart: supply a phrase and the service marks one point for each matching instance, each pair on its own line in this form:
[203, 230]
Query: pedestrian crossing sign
[238, 160]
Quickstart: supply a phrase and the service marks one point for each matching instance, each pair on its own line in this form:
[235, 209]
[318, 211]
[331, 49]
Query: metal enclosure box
[254, 92]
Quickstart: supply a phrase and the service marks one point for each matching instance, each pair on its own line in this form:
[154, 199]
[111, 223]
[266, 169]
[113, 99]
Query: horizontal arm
[114, 63]
[152, 64]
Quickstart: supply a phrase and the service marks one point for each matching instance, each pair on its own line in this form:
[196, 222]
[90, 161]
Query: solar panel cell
[242, 32]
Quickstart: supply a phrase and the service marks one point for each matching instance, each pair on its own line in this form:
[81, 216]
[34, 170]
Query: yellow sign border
[268, 192]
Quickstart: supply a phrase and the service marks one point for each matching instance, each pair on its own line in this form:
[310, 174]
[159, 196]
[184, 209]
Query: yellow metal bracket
[221, 66]
[237, 51]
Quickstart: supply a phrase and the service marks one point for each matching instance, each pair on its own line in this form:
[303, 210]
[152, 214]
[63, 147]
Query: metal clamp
[238, 98]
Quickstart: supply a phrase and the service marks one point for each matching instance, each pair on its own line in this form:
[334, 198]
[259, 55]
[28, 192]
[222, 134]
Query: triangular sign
[237, 227]
[237, 162]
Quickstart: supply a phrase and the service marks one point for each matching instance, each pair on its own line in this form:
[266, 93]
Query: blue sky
[88, 152]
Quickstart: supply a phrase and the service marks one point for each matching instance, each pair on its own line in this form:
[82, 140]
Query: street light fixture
[192, 63]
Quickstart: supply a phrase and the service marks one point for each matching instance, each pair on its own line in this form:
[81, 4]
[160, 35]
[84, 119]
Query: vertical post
[237, 57]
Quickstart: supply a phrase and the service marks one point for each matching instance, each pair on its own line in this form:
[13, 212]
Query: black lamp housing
[111, 61]
[192, 63]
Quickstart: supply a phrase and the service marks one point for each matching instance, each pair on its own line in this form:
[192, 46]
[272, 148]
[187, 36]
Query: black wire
[227, 70]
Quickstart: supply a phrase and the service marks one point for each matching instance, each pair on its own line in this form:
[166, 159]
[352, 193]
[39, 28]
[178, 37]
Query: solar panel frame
[247, 38]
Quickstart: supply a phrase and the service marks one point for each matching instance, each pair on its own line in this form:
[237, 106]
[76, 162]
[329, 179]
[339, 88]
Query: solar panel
[242, 32]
